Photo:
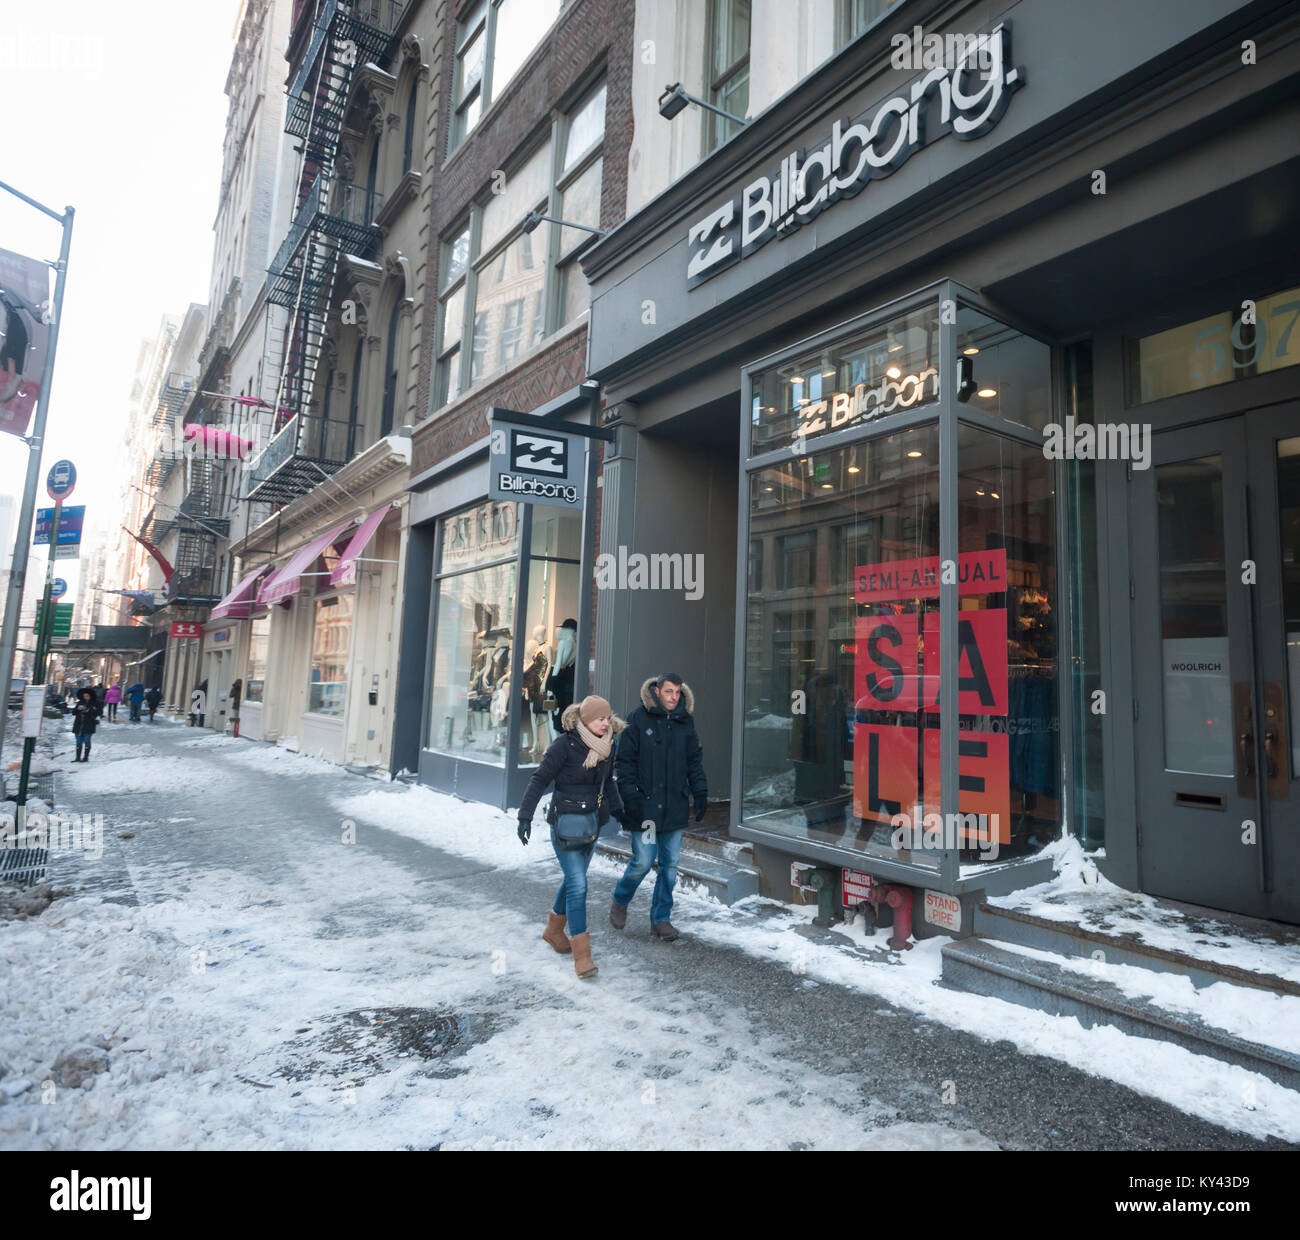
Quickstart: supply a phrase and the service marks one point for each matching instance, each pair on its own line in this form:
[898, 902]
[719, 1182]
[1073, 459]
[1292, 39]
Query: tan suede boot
[554, 933]
[582, 964]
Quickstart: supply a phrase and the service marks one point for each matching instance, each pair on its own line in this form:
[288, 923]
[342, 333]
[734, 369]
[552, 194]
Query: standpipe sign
[967, 100]
[537, 466]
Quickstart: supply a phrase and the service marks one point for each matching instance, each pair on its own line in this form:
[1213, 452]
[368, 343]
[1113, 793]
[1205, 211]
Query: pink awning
[345, 571]
[284, 584]
[239, 603]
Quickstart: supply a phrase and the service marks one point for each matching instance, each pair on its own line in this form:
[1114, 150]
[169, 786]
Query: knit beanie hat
[593, 708]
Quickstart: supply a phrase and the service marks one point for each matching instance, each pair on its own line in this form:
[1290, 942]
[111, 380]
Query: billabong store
[495, 623]
[975, 391]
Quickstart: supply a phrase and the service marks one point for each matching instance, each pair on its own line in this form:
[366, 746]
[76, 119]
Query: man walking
[660, 768]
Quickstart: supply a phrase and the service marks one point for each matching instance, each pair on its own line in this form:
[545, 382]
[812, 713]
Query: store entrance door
[1215, 527]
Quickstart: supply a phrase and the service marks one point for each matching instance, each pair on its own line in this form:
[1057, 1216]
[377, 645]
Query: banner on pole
[24, 337]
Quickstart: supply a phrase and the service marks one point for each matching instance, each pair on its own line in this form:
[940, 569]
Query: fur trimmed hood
[649, 701]
[572, 712]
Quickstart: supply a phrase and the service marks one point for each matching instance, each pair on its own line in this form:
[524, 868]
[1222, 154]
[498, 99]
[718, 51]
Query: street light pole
[35, 444]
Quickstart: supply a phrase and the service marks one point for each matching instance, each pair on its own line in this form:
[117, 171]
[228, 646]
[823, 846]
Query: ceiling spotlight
[970, 350]
[966, 379]
[894, 372]
[914, 453]
[826, 486]
[996, 495]
[987, 392]
[853, 469]
[978, 491]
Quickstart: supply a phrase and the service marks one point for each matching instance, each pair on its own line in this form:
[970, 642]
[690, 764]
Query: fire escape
[333, 217]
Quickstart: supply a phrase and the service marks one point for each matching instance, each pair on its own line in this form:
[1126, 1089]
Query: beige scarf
[598, 747]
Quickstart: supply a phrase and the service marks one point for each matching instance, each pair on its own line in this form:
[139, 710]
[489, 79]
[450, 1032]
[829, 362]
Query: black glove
[701, 805]
[525, 831]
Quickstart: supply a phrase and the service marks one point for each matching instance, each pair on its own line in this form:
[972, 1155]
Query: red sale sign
[185, 629]
[978, 572]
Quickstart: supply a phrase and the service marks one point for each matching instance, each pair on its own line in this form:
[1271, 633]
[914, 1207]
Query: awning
[284, 584]
[239, 603]
[345, 571]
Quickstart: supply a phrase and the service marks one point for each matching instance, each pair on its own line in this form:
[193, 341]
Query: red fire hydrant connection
[900, 900]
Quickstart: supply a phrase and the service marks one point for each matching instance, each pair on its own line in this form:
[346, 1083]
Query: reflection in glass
[1012, 372]
[891, 368]
[331, 642]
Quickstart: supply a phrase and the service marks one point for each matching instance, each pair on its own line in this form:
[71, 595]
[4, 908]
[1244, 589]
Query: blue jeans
[571, 899]
[667, 845]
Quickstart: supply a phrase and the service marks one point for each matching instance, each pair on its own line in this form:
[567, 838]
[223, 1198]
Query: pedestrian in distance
[660, 770]
[580, 763]
[85, 717]
[135, 697]
[112, 696]
[152, 697]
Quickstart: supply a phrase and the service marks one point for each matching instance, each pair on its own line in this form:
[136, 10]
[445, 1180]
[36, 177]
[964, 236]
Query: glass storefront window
[331, 642]
[834, 727]
[1004, 372]
[1008, 713]
[469, 706]
[259, 640]
[891, 368]
[1288, 503]
[1216, 349]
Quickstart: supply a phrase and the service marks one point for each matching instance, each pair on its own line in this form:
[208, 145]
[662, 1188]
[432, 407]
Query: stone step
[982, 967]
[1009, 925]
[724, 880]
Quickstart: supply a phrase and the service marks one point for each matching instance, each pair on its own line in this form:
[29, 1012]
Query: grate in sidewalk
[23, 866]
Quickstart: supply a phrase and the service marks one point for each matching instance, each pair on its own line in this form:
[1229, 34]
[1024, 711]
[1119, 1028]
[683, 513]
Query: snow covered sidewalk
[273, 953]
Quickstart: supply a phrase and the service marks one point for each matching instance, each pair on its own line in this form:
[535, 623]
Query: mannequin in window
[537, 670]
[561, 682]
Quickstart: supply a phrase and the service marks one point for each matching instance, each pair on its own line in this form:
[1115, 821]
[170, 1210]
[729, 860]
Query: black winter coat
[660, 762]
[85, 716]
[561, 765]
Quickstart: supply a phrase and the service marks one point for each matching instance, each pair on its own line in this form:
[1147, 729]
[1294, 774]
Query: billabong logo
[531, 453]
[103, 1192]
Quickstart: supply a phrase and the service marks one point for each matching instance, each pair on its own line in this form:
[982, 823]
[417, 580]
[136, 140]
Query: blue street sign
[70, 523]
[58, 588]
[60, 480]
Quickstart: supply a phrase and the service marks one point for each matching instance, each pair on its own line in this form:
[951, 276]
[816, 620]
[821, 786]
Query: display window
[845, 695]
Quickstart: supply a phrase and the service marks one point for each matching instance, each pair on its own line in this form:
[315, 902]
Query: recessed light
[986, 393]
[970, 352]
[977, 491]
[826, 486]
[996, 495]
[914, 452]
[853, 469]
[893, 372]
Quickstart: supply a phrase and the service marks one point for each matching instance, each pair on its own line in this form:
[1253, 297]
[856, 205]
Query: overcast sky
[118, 111]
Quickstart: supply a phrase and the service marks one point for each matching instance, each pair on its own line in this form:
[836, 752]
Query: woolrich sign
[966, 99]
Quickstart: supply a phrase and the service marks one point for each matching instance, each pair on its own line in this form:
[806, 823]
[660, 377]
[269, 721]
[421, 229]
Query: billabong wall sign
[964, 100]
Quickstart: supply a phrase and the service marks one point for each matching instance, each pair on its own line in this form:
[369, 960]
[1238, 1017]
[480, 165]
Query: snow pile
[279, 761]
[137, 775]
[466, 828]
[18, 903]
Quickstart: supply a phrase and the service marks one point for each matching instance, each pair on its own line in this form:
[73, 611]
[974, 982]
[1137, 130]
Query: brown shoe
[664, 930]
[554, 934]
[617, 915]
[582, 964]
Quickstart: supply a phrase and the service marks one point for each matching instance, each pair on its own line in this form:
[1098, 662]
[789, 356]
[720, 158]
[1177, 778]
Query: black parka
[562, 765]
[85, 713]
[660, 762]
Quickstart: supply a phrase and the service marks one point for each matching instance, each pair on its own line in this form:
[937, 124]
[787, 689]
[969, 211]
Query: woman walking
[581, 765]
[112, 696]
[84, 717]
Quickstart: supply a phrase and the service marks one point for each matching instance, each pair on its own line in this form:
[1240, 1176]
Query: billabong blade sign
[536, 466]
